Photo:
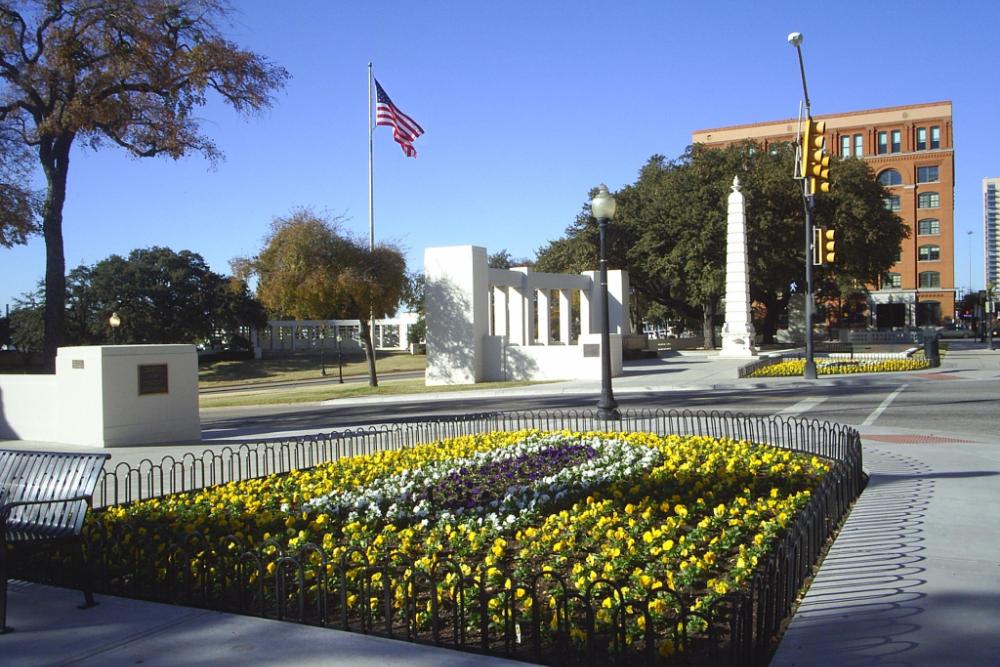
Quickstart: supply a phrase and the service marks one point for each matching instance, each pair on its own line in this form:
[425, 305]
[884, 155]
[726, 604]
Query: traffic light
[828, 237]
[815, 161]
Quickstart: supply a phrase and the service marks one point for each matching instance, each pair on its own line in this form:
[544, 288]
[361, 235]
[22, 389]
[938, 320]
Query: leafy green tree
[18, 203]
[502, 259]
[574, 253]
[310, 269]
[374, 284]
[160, 295]
[126, 72]
[26, 331]
[670, 232]
[413, 298]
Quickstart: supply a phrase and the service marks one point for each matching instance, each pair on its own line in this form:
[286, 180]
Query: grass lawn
[333, 391]
[301, 367]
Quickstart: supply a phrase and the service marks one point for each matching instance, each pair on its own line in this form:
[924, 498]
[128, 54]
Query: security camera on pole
[812, 167]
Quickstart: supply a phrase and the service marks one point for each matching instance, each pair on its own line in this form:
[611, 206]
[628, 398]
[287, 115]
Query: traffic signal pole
[809, 372]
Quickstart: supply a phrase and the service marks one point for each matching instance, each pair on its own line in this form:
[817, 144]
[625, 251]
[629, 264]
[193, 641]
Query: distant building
[991, 231]
[911, 150]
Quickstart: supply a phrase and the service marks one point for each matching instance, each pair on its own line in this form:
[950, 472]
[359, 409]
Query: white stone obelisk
[737, 332]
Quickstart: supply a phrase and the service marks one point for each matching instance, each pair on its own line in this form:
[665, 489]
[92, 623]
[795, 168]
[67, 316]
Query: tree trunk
[54, 156]
[366, 335]
[708, 324]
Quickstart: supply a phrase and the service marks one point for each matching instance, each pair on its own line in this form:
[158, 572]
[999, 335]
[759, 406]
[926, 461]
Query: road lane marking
[804, 405]
[882, 406]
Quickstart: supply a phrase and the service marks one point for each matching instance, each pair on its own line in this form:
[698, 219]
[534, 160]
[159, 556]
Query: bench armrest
[7, 507]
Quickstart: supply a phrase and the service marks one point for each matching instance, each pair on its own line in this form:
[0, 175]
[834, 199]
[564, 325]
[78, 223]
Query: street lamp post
[602, 206]
[322, 350]
[809, 372]
[115, 322]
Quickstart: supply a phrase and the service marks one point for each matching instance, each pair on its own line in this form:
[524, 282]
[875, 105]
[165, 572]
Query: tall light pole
[969, 234]
[809, 372]
[322, 350]
[602, 206]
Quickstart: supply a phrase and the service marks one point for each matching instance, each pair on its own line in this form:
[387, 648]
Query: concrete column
[527, 308]
[517, 311]
[544, 298]
[618, 290]
[501, 316]
[457, 312]
[590, 314]
[565, 316]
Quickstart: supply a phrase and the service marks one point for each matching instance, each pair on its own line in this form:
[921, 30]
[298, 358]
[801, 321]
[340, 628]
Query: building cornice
[851, 119]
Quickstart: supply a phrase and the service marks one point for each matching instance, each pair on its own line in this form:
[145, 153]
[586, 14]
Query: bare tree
[125, 72]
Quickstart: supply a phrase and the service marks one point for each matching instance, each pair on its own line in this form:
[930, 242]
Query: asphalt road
[940, 403]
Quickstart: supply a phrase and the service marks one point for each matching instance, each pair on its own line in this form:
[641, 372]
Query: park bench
[44, 498]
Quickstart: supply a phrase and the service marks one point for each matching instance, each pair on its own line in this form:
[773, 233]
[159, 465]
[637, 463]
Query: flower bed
[795, 367]
[650, 531]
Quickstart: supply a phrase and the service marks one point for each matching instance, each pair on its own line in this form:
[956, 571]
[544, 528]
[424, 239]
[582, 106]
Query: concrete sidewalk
[914, 576]
[681, 371]
[50, 630]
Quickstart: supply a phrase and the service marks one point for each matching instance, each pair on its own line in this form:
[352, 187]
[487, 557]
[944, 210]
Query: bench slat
[44, 476]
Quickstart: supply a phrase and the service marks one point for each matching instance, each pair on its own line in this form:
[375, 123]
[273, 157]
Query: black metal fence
[464, 608]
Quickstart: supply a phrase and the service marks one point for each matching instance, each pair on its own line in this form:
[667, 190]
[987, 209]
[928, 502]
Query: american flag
[404, 128]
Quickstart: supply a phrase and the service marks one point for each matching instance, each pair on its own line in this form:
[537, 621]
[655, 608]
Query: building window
[928, 253]
[890, 177]
[935, 137]
[928, 200]
[892, 281]
[921, 138]
[859, 145]
[883, 143]
[930, 279]
[929, 226]
[845, 146]
[898, 257]
[927, 174]
[896, 140]
[892, 202]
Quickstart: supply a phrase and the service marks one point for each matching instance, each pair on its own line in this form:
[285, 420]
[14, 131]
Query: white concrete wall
[462, 348]
[131, 418]
[27, 407]
[303, 335]
[457, 313]
[549, 362]
[618, 316]
[93, 399]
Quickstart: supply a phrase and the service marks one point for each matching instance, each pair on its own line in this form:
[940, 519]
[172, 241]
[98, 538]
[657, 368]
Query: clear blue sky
[526, 106]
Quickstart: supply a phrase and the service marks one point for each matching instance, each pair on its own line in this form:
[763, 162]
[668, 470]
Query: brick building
[911, 151]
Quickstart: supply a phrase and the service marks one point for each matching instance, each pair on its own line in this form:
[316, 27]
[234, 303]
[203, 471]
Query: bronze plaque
[78, 364]
[591, 350]
[152, 379]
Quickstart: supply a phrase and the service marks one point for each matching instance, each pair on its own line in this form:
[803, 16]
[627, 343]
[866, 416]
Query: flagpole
[371, 172]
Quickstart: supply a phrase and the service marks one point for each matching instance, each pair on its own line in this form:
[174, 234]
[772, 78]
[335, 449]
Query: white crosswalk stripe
[805, 405]
[882, 406]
